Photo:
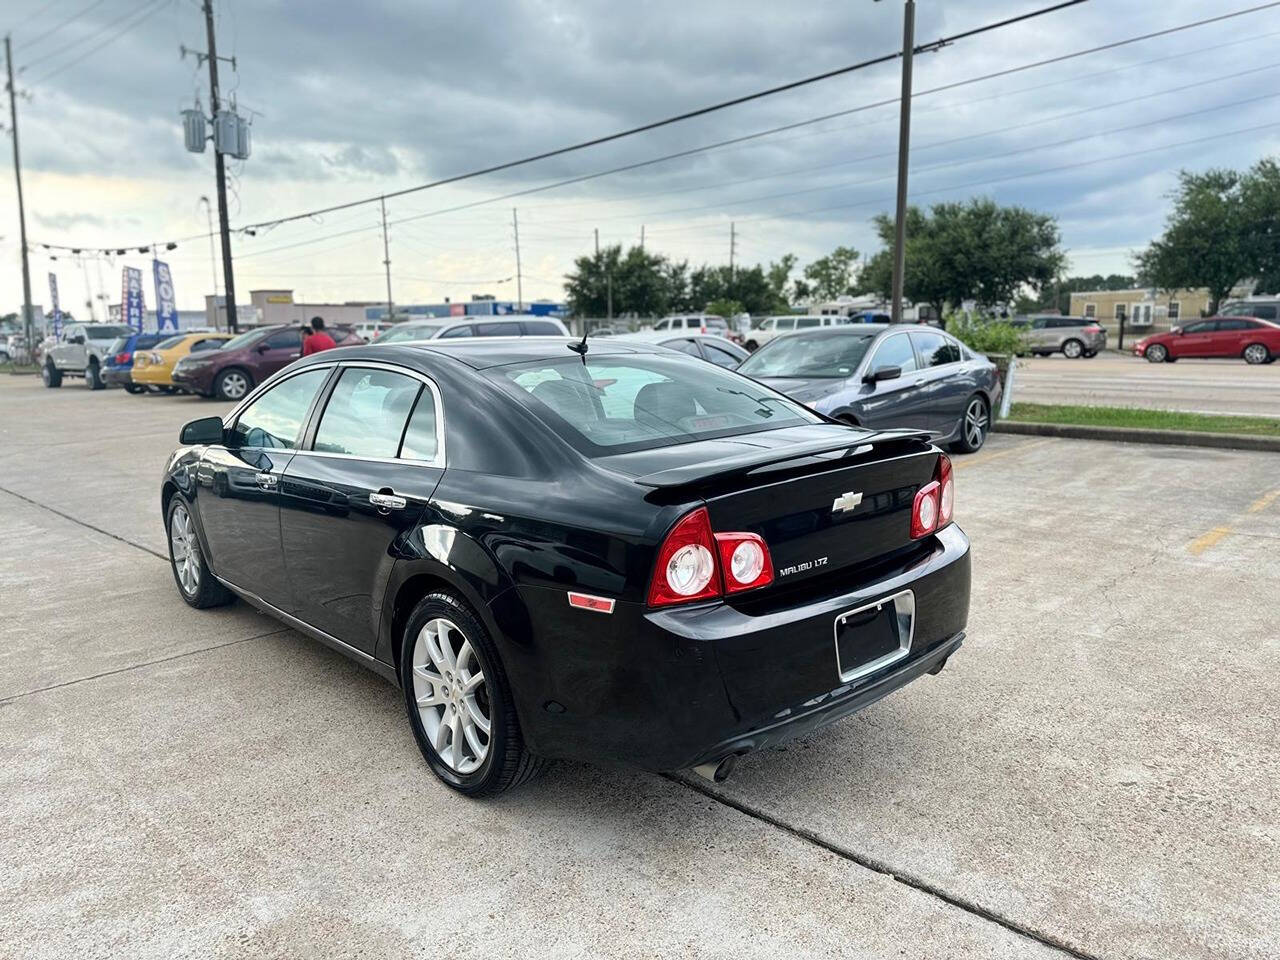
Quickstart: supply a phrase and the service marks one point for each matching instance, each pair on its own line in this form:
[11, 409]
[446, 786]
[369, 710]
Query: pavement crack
[138, 666]
[90, 526]
[893, 873]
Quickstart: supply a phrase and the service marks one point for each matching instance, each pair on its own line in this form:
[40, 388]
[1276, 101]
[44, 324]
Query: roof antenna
[580, 348]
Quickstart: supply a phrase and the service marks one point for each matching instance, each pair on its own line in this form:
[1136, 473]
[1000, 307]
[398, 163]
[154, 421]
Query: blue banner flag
[166, 308]
[132, 306]
[53, 301]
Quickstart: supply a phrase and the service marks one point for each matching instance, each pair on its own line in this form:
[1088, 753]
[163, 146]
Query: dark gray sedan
[881, 375]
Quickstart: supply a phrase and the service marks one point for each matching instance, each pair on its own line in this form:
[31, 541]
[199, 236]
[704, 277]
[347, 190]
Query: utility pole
[515, 225]
[642, 238]
[386, 259]
[609, 295]
[213, 258]
[733, 247]
[597, 241]
[220, 168]
[904, 151]
[27, 320]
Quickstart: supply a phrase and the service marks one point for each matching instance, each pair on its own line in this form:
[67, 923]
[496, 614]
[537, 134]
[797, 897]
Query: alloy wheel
[1255, 353]
[1072, 349]
[183, 548]
[975, 423]
[451, 694]
[234, 385]
[1156, 353]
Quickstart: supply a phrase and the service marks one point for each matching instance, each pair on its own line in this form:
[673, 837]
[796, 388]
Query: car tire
[134, 388]
[975, 424]
[1073, 349]
[233, 383]
[751, 345]
[51, 375]
[1156, 353]
[93, 376]
[1256, 353]
[443, 649]
[196, 582]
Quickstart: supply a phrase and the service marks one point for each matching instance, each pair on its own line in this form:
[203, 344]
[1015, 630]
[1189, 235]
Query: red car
[1257, 341]
[245, 361]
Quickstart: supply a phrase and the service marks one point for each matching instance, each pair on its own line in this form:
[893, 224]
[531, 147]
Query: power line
[137, 15]
[85, 39]
[63, 23]
[732, 141]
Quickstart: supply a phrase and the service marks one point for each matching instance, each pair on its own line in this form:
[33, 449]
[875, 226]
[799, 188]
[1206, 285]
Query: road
[1196, 386]
[1095, 770]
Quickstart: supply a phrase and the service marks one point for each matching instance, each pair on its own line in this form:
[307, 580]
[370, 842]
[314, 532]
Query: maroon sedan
[245, 361]
[1257, 341]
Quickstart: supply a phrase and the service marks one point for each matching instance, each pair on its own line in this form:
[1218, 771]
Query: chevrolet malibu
[587, 550]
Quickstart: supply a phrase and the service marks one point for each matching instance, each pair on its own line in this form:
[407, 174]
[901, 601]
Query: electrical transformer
[231, 134]
[193, 130]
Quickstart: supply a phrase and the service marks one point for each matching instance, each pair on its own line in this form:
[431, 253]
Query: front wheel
[1156, 353]
[974, 426]
[1256, 353]
[191, 572]
[459, 700]
[232, 384]
[1073, 349]
[51, 375]
[93, 377]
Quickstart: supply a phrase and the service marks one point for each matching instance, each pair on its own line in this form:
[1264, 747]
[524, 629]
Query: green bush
[986, 335]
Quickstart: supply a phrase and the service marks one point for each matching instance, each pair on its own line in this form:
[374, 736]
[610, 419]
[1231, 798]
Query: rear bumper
[117, 376]
[670, 689]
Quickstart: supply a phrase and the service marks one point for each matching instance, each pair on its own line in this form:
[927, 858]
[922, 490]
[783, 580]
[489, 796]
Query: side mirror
[77, 339]
[204, 430]
[882, 373]
[1176, 330]
[263, 348]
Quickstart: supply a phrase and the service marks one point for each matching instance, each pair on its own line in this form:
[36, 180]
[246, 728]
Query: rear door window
[540, 328]
[366, 413]
[497, 329]
[422, 437]
[806, 323]
[284, 340]
[275, 419]
[936, 350]
[785, 323]
[684, 345]
[720, 356]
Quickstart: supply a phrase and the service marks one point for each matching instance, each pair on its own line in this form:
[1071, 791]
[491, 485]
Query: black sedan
[879, 375]
[623, 554]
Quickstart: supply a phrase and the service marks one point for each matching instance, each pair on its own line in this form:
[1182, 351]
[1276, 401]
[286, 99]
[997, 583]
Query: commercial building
[1145, 309]
[271, 307]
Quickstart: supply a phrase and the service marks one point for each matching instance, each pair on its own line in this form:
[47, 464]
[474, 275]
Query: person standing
[317, 339]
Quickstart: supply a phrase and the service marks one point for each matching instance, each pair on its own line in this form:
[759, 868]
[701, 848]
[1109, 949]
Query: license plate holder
[874, 635]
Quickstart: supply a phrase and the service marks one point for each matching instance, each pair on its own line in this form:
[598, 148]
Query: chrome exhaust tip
[717, 771]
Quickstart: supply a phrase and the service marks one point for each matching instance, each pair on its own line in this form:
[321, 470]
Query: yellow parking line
[1200, 544]
[1264, 501]
[982, 458]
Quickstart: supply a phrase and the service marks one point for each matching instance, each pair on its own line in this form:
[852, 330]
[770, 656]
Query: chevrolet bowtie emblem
[846, 501]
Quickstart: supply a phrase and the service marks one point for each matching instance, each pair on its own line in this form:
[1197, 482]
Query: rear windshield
[118, 345]
[619, 404]
[171, 342]
[809, 355]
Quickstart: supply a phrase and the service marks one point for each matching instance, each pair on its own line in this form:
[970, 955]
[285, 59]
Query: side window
[662, 325]
[804, 323]
[720, 356]
[462, 331]
[895, 352]
[205, 345]
[1039, 323]
[1203, 326]
[421, 440]
[786, 323]
[1233, 325]
[540, 328]
[1267, 312]
[366, 413]
[285, 340]
[275, 418]
[497, 329]
[935, 349]
[684, 345]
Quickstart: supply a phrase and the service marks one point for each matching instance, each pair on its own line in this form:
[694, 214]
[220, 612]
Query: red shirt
[317, 342]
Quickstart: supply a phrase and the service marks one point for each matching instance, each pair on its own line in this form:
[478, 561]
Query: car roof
[482, 352]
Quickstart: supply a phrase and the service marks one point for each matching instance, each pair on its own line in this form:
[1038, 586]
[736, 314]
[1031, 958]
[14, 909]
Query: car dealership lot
[1095, 769]
[1194, 386]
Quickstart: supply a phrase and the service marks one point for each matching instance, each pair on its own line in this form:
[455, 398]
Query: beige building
[270, 307]
[1144, 309]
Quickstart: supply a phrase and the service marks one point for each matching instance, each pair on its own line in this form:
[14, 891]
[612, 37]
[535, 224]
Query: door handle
[922, 381]
[387, 501]
[266, 480]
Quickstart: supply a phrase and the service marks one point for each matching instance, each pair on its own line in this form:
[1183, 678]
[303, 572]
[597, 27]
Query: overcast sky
[350, 100]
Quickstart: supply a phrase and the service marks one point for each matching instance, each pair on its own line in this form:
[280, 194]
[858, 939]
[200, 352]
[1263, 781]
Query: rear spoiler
[744, 463]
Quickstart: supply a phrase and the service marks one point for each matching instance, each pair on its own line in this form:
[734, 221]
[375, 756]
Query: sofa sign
[166, 306]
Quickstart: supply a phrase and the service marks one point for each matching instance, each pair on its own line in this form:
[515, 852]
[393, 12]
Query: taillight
[123, 358]
[686, 568]
[935, 502]
[1093, 329]
[695, 564]
[744, 561]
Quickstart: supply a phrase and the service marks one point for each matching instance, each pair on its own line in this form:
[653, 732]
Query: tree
[724, 308]
[832, 276]
[977, 250]
[637, 282]
[1224, 228]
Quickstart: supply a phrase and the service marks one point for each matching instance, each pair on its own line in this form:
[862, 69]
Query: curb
[1177, 438]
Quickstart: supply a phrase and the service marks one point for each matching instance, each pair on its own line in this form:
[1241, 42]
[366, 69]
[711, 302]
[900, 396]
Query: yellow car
[154, 368]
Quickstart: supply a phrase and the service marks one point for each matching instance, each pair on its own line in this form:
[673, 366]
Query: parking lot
[1093, 775]
[1115, 380]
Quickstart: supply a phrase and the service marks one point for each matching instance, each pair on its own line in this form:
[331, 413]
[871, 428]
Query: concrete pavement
[1114, 380]
[1096, 769]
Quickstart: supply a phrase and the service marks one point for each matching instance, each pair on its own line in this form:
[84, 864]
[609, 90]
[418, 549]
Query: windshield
[620, 404]
[809, 355]
[417, 331]
[98, 331]
[247, 337]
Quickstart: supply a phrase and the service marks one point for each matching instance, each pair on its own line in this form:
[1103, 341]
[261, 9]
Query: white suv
[693, 323]
[766, 328]
[81, 351]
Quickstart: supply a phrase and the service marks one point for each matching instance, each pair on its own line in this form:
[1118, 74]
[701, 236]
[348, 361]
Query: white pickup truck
[81, 351]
